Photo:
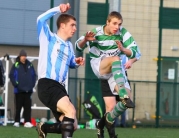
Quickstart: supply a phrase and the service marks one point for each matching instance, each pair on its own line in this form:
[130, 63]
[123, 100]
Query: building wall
[14, 50]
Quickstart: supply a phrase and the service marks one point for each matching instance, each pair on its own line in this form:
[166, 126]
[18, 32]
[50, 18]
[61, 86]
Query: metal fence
[143, 94]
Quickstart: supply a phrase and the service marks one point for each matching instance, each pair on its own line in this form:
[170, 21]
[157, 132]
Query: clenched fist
[64, 7]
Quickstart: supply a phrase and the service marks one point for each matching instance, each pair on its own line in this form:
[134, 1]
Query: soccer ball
[43, 120]
[52, 120]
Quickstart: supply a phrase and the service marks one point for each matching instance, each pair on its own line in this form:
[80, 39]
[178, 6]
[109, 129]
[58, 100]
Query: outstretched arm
[126, 51]
[88, 37]
[129, 63]
[75, 62]
[81, 43]
[42, 26]
[80, 61]
[128, 42]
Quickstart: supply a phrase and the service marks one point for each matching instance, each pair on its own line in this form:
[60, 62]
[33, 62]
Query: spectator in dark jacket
[23, 78]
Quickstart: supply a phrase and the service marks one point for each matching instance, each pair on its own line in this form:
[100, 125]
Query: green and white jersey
[105, 45]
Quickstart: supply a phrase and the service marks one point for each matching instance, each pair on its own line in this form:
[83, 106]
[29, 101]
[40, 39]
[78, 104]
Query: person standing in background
[23, 78]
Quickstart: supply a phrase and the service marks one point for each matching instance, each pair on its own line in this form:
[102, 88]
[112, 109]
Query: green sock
[117, 111]
[119, 78]
[122, 92]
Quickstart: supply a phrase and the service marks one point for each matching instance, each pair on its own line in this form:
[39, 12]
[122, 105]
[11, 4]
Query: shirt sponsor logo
[110, 54]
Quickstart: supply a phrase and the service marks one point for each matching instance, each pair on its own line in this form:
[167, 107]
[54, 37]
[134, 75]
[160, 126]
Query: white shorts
[95, 63]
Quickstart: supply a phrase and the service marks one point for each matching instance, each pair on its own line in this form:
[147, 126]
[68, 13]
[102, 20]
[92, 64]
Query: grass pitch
[21, 132]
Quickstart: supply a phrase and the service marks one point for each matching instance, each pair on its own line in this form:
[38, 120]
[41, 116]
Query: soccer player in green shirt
[106, 44]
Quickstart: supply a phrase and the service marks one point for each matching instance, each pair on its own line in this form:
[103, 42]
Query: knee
[110, 104]
[67, 109]
[116, 58]
[75, 127]
[75, 124]
[71, 112]
[109, 108]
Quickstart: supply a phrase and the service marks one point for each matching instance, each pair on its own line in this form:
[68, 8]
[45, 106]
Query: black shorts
[106, 91]
[49, 93]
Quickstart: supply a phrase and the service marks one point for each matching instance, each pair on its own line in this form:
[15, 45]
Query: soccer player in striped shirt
[105, 50]
[56, 56]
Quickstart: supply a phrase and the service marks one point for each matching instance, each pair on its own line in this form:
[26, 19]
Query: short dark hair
[114, 14]
[64, 18]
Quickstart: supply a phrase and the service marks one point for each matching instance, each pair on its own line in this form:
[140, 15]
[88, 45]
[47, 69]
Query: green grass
[12, 132]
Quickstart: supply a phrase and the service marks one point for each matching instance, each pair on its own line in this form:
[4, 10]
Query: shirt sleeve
[77, 46]
[138, 54]
[73, 64]
[13, 76]
[42, 26]
[129, 42]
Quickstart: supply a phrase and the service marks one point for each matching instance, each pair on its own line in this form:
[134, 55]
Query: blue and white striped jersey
[55, 55]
